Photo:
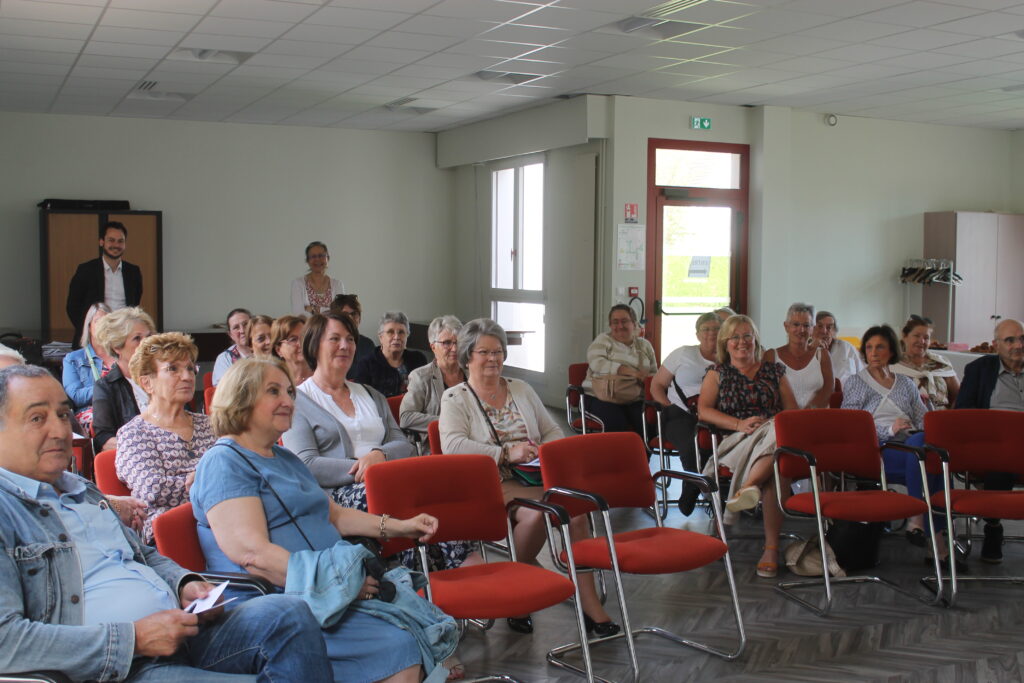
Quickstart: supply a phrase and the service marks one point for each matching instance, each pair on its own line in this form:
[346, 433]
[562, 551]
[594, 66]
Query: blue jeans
[272, 638]
[902, 467]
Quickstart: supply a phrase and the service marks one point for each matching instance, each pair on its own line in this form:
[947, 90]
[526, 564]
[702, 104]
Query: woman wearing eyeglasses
[808, 365]
[421, 404]
[934, 376]
[286, 344]
[741, 394]
[158, 450]
[505, 419]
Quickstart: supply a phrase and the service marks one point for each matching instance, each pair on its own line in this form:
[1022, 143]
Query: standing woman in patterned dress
[741, 394]
[313, 292]
[158, 450]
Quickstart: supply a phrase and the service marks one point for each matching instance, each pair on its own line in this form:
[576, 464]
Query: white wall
[239, 202]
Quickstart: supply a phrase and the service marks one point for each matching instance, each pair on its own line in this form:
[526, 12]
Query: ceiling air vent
[147, 90]
[505, 76]
[402, 105]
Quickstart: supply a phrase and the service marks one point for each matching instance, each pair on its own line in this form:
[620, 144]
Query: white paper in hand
[210, 601]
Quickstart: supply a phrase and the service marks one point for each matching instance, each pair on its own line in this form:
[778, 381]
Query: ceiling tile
[491, 10]
[358, 66]
[729, 36]
[242, 27]
[45, 11]
[713, 12]
[535, 35]
[33, 68]
[107, 62]
[854, 30]
[923, 60]
[843, 8]
[920, 14]
[412, 41]
[989, 47]
[800, 44]
[330, 34]
[389, 55]
[16, 42]
[114, 34]
[44, 29]
[161, 21]
[988, 24]
[780, 21]
[444, 26]
[98, 47]
[675, 50]
[265, 10]
[749, 57]
[66, 58]
[568, 18]
[356, 18]
[492, 48]
[287, 61]
[210, 41]
[810, 64]
[921, 39]
[863, 53]
[183, 6]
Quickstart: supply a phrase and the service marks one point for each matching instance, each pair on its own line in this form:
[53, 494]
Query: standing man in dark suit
[108, 279]
[996, 382]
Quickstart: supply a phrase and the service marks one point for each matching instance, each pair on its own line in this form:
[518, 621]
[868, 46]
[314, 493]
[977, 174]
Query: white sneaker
[745, 499]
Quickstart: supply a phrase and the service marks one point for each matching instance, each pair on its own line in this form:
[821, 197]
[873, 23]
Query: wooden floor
[873, 633]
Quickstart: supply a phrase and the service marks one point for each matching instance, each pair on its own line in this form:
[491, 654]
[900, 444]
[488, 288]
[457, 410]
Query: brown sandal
[767, 569]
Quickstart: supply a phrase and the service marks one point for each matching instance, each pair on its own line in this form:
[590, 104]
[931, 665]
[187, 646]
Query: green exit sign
[700, 123]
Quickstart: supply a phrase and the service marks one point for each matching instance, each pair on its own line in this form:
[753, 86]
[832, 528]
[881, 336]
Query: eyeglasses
[704, 329]
[447, 344]
[290, 340]
[484, 353]
[921, 319]
[737, 338]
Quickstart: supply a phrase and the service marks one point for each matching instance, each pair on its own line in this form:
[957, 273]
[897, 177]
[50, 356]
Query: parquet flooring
[873, 633]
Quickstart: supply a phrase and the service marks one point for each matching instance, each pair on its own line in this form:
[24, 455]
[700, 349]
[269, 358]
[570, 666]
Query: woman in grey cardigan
[340, 428]
[421, 404]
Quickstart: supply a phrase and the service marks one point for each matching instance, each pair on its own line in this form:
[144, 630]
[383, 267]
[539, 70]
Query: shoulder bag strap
[280, 502]
[494, 432]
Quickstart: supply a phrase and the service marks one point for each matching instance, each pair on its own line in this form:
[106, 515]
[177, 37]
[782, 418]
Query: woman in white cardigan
[505, 419]
[313, 292]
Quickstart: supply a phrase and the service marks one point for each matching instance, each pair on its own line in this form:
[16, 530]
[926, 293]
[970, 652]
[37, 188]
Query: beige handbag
[618, 389]
[804, 558]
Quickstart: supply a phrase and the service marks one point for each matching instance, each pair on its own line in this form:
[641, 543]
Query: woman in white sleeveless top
[808, 366]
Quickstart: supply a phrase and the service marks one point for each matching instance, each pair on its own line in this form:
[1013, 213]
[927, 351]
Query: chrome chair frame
[580, 408]
[786, 588]
[556, 656]
[934, 583]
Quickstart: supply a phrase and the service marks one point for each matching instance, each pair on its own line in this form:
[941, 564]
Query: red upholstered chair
[464, 493]
[815, 442]
[207, 380]
[177, 539]
[973, 442]
[605, 471]
[106, 475]
[395, 403]
[835, 400]
[208, 393]
[580, 421]
[434, 437]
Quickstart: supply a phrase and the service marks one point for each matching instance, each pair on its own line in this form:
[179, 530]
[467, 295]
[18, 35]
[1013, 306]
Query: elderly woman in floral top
[158, 450]
[742, 394]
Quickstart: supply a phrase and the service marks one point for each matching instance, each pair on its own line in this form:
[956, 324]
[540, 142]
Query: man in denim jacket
[81, 595]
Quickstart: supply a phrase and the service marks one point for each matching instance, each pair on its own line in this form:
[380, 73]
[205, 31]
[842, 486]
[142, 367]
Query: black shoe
[917, 537]
[992, 546]
[688, 499]
[521, 624]
[601, 630]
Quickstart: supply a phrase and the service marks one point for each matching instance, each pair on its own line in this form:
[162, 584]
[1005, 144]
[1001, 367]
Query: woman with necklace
[808, 365]
[313, 292]
[935, 378]
[505, 419]
[741, 394]
[158, 450]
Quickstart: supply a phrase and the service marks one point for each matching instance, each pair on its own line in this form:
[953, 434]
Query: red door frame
[739, 200]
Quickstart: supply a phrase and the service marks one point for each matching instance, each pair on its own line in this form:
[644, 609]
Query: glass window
[692, 168]
[503, 223]
[525, 321]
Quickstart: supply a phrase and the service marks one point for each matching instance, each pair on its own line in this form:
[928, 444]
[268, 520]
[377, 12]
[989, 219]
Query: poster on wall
[630, 246]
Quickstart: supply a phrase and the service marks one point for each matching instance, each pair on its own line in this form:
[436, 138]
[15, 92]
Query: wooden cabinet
[986, 249]
[69, 238]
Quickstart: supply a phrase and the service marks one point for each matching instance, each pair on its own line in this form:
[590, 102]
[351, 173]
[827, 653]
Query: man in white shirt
[109, 279]
[845, 359]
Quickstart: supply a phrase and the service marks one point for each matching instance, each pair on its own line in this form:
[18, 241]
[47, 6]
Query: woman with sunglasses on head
[741, 394]
[934, 376]
[421, 404]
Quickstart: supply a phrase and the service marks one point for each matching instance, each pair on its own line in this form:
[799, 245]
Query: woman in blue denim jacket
[84, 366]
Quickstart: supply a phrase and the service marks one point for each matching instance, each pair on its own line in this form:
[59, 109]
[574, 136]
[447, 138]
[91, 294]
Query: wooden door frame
[738, 200]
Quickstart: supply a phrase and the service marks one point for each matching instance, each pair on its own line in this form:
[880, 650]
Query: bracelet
[383, 530]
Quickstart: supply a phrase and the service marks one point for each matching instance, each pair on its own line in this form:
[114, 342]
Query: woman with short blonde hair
[116, 399]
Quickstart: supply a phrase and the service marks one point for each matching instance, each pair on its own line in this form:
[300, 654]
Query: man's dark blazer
[980, 377]
[88, 286]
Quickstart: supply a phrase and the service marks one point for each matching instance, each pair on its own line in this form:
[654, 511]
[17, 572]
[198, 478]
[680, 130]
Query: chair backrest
[835, 400]
[840, 440]
[977, 440]
[395, 402]
[462, 491]
[434, 437]
[176, 537]
[611, 464]
[577, 374]
[207, 380]
[208, 393]
[106, 475]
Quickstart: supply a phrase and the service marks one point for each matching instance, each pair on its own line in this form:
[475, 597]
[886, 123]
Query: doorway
[697, 232]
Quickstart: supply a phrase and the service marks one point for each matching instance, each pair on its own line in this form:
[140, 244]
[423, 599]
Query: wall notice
[630, 246]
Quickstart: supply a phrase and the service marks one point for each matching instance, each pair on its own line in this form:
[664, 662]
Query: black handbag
[855, 544]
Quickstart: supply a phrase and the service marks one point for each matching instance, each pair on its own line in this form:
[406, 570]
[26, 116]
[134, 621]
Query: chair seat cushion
[498, 589]
[592, 425]
[651, 551]
[999, 504]
[859, 506]
[665, 443]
